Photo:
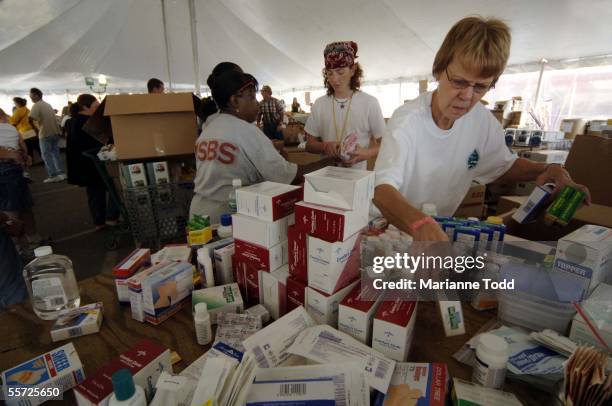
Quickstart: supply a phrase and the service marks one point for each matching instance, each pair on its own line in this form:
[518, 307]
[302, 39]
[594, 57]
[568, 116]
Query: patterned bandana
[340, 54]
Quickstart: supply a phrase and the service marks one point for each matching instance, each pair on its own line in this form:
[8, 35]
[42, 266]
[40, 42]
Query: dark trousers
[33, 145]
[98, 207]
[270, 130]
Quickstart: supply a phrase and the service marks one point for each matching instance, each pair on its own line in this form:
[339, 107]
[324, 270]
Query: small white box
[342, 188]
[260, 232]
[262, 258]
[268, 201]
[331, 266]
[158, 173]
[534, 205]
[324, 307]
[546, 156]
[273, 287]
[394, 328]
[135, 175]
[223, 265]
[219, 299]
[327, 223]
[356, 312]
[166, 291]
[77, 322]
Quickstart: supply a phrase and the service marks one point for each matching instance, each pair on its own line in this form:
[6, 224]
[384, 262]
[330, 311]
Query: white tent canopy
[54, 44]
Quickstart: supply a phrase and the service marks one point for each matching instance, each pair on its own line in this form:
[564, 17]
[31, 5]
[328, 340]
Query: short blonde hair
[479, 44]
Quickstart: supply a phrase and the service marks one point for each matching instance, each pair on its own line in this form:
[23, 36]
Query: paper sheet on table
[215, 374]
[324, 344]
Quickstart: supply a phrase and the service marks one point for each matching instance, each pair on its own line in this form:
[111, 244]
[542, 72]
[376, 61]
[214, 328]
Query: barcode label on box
[290, 389]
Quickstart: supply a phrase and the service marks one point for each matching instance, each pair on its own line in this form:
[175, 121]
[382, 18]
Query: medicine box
[329, 224]
[166, 291]
[323, 307]
[262, 258]
[297, 253]
[264, 233]
[427, 384]
[331, 266]
[274, 291]
[136, 261]
[394, 328]
[296, 293]
[223, 265]
[158, 173]
[341, 188]
[135, 290]
[219, 299]
[77, 322]
[356, 312]
[135, 175]
[268, 201]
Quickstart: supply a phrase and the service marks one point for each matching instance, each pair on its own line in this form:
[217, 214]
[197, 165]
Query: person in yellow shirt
[20, 119]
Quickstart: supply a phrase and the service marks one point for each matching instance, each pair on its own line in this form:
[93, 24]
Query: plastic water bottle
[236, 184]
[51, 283]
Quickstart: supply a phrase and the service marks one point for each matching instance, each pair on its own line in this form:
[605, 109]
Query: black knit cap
[229, 84]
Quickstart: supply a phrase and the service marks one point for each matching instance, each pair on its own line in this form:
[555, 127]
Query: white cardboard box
[356, 312]
[331, 266]
[394, 328]
[262, 258]
[545, 156]
[342, 188]
[260, 232]
[268, 201]
[273, 287]
[533, 206]
[327, 223]
[135, 290]
[158, 173]
[219, 299]
[77, 322]
[166, 291]
[324, 307]
[224, 273]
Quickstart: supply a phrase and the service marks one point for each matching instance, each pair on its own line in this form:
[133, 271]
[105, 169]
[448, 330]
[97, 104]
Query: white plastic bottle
[236, 184]
[491, 359]
[126, 393]
[51, 283]
[225, 227]
[429, 209]
[202, 324]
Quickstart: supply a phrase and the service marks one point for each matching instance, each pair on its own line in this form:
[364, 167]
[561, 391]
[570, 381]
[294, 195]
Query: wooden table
[25, 336]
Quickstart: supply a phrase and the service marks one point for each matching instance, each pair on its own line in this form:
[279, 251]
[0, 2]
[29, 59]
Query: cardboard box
[323, 307]
[585, 257]
[274, 291]
[394, 328]
[297, 253]
[268, 201]
[472, 204]
[173, 253]
[545, 156]
[535, 205]
[60, 367]
[262, 258]
[224, 273]
[427, 384]
[219, 299]
[152, 125]
[332, 266]
[158, 173]
[77, 322]
[166, 291]
[146, 361]
[356, 312]
[296, 293]
[342, 188]
[598, 308]
[242, 268]
[572, 127]
[129, 266]
[135, 290]
[264, 233]
[329, 224]
[470, 394]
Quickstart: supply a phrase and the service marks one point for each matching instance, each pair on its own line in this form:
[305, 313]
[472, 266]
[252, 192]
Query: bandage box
[135, 175]
[296, 293]
[342, 188]
[166, 291]
[172, 253]
[420, 384]
[136, 261]
[297, 253]
[77, 322]
[327, 223]
[584, 257]
[268, 201]
[223, 265]
[323, 307]
[158, 173]
[135, 290]
[262, 258]
[394, 328]
[219, 299]
[273, 286]
[331, 266]
[356, 312]
[60, 367]
[146, 361]
[264, 233]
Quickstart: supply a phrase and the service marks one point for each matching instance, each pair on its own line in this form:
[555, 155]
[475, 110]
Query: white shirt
[230, 148]
[430, 165]
[9, 137]
[364, 118]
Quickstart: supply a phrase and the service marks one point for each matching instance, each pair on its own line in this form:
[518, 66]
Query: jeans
[99, 209]
[51, 155]
[270, 130]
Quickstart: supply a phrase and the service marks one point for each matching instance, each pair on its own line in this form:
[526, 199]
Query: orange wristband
[414, 227]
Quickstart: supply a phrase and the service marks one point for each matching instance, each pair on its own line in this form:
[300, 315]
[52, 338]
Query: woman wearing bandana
[346, 124]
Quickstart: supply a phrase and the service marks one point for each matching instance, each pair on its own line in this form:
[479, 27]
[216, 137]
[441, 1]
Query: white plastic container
[126, 393]
[490, 361]
[429, 209]
[205, 267]
[236, 184]
[202, 324]
[225, 229]
[51, 283]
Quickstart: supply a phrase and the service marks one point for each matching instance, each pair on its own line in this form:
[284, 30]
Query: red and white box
[298, 253]
[269, 201]
[262, 258]
[129, 266]
[327, 223]
[260, 232]
[342, 188]
[333, 265]
[248, 279]
[273, 288]
[296, 293]
[394, 328]
[146, 361]
[356, 312]
[323, 307]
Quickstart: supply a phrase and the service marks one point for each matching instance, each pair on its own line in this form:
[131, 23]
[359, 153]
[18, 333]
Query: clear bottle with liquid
[236, 184]
[51, 283]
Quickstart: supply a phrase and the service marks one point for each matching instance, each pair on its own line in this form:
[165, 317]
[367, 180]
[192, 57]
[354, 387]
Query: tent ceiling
[53, 44]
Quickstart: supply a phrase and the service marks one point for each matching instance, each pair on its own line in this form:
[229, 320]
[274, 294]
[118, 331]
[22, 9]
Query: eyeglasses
[461, 84]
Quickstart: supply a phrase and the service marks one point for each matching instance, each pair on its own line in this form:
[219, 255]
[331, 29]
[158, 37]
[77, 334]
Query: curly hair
[355, 80]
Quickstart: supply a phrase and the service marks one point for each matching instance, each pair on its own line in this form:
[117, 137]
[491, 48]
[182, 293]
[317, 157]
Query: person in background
[82, 170]
[20, 119]
[44, 119]
[209, 110]
[271, 113]
[12, 286]
[437, 144]
[66, 109]
[155, 86]
[295, 106]
[345, 111]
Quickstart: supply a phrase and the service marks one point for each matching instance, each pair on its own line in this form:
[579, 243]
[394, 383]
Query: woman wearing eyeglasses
[437, 144]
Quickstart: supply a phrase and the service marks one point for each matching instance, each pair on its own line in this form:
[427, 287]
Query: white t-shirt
[365, 118]
[230, 148]
[9, 137]
[430, 165]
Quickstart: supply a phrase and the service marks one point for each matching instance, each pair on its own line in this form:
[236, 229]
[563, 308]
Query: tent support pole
[539, 88]
[167, 45]
[194, 46]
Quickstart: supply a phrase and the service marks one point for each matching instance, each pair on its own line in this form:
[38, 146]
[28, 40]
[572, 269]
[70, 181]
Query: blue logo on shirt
[473, 159]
